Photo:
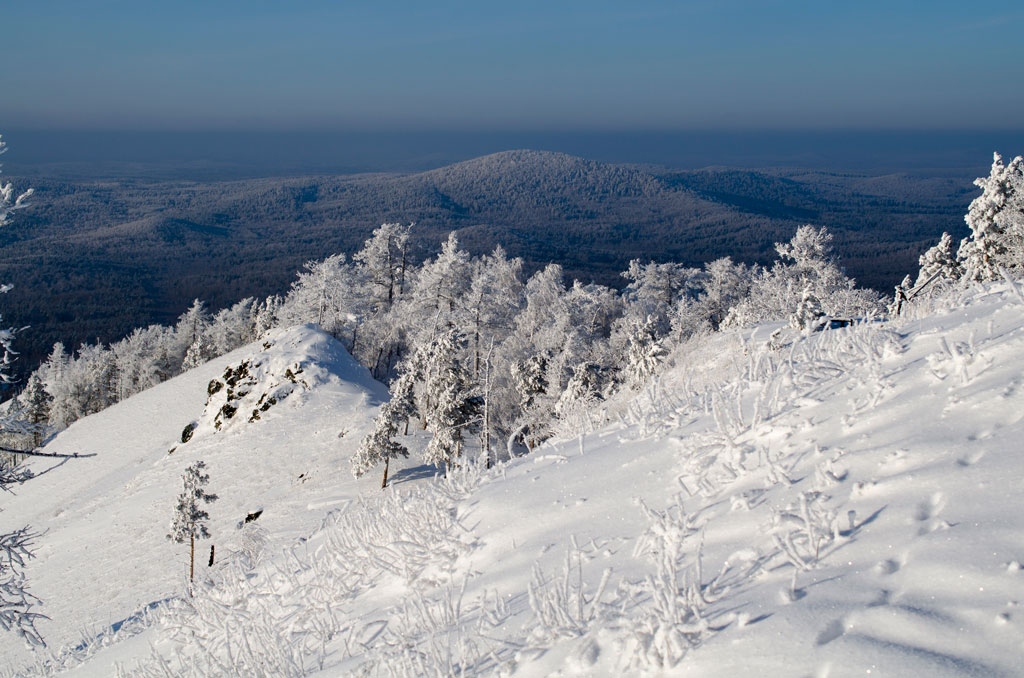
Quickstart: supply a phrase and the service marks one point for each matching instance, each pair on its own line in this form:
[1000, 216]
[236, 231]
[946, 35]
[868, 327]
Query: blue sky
[725, 64]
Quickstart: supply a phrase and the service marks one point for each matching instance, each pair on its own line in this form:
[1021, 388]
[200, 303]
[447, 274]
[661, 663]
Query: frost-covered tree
[379, 445]
[191, 333]
[441, 286]
[264, 315]
[805, 262]
[723, 284]
[232, 327]
[653, 291]
[583, 392]
[452, 403]
[996, 219]
[189, 522]
[80, 385]
[142, 360]
[941, 261]
[644, 352]
[35, 402]
[10, 200]
[495, 297]
[808, 315]
[15, 601]
[385, 258]
[194, 355]
[383, 276]
[329, 293]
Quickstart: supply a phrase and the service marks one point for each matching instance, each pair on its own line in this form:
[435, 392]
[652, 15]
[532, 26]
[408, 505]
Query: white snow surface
[846, 503]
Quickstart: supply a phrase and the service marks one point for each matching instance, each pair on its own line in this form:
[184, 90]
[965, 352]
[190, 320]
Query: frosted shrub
[802, 531]
[562, 605]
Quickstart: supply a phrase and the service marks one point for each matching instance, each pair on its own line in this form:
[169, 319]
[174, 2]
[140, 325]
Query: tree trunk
[384, 483]
[191, 557]
[210, 564]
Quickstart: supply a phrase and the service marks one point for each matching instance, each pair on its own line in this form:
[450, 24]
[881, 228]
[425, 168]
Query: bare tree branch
[52, 455]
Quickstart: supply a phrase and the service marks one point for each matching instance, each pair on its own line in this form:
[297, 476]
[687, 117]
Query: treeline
[90, 261]
[471, 344]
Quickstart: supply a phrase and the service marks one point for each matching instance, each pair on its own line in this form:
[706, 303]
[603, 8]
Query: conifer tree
[191, 333]
[939, 259]
[808, 314]
[530, 380]
[996, 219]
[644, 352]
[36, 404]
[379, 445]
[452, 404]
[189, 522]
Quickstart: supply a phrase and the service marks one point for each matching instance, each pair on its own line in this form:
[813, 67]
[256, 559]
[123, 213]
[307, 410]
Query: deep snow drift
[838, 504]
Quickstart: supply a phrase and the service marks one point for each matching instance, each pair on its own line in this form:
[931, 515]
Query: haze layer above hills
[93, 259]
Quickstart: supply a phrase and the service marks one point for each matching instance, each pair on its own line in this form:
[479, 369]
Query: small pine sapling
[189, 521]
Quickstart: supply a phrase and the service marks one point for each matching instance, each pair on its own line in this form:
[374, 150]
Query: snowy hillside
[844, 503]
[105, 555]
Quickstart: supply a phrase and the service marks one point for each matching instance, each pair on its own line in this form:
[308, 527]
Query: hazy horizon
[217, 154]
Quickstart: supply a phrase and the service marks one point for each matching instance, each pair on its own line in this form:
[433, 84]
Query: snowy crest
[289, 365]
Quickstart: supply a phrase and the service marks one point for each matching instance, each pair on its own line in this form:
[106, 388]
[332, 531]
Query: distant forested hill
[93, 259]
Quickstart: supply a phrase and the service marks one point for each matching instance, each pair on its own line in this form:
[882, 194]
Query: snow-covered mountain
[843, 503]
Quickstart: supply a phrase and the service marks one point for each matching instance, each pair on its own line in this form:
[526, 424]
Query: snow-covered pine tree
[264, 315]
[331, 293]
[136, 360]
[582, 392]
[805, 261]
[653, 291]
[530, 379]
[36, 408]
[379, 445]
[996, 219]
[80, 385]
[194, 355]
[940, 260]
[191, 330]
[453, 403]
[722, 285]
[189, 522]
[383, 273]
[808, 315]
[644, 352]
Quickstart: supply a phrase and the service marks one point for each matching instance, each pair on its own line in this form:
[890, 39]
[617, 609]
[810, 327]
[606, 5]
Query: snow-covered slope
[104, 553]
[841, 504]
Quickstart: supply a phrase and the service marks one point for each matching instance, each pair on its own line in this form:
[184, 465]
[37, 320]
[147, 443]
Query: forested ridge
[95, 259]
